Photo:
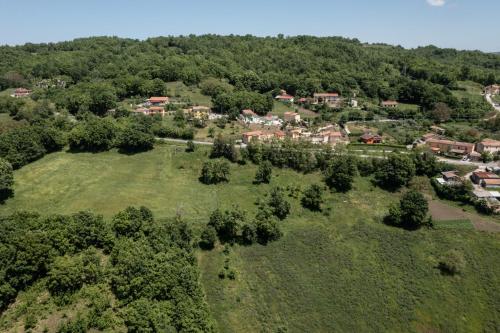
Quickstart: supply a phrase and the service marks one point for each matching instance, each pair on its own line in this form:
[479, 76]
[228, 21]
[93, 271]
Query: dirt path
[441, 211]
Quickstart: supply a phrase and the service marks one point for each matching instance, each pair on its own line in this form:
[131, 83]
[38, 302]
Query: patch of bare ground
[440, 211]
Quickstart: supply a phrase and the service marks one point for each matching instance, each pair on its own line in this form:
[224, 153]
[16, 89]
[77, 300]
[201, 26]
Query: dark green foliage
[395, 172]
[190, 146]
[277, 203]
[93, 135]
[264, 172]
[133, 138]
[232, 103]
[267, 230]
[10, 105]
[411, 213]
[208, 238]
[29, 245]
[426, 164]
[214, 87]
[224, 147]
[143, 315]
[300, 156]
[340, 173]
[214, 172]
[459, 191]
[6, 179]
[186, 133]
[313, 197]
[132, 222]
[227, 223]
[65, 275]
[21, 146]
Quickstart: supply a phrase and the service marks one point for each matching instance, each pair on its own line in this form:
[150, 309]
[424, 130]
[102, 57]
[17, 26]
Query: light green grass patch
[453, 224]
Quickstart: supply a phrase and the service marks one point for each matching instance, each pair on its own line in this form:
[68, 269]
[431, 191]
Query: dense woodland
[98, 71]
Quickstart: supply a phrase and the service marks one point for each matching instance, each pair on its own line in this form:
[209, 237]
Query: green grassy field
[469, 90]
[337, 271]
[179, 89]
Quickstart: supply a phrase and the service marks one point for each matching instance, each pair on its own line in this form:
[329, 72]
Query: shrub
[452, 262]
[208, 238]
[264, 172]
[313, 197]
[214, 172]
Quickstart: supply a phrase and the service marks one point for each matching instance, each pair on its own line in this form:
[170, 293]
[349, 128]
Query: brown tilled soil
[441, 211]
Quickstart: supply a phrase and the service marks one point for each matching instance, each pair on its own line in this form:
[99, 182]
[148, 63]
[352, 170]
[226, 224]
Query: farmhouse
[478, 176]
[449, 146]
[389, 104]
[291, 117]
[22, 92]
[450, 176]
[285, 98]
[488, 145]
[370, 138]
[325, 98]
[158, 101]
[490, 183]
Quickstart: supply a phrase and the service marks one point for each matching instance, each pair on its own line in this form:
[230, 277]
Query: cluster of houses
[21, 92]
[486, 185]
[156, 105]
[330, 134]
[153, 106]
[248, 117]
[330, 99]
[440, 145]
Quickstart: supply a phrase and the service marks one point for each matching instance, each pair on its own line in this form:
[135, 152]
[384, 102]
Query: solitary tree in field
[313, 197]
[264, 172]
[411, 213]
[340, 173]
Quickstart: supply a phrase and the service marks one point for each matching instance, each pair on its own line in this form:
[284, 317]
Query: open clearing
[337, 271]
[442, 212]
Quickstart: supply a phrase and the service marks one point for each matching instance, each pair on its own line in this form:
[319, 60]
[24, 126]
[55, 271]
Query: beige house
[449, 146]
[291, 117]
[489, 145]
[325, 98]
[389, 104]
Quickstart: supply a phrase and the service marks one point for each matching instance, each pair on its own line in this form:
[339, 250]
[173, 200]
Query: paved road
[460, 162]
[488, 98]
[185, 141]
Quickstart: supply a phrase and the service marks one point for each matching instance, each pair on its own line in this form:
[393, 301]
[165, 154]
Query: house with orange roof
[158, 101]
[325, 98]
[389, 104]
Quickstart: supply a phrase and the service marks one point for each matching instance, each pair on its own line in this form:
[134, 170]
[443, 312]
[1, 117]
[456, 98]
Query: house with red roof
[285, 98]
[325, 98]
[22, 92]
[158, 101]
